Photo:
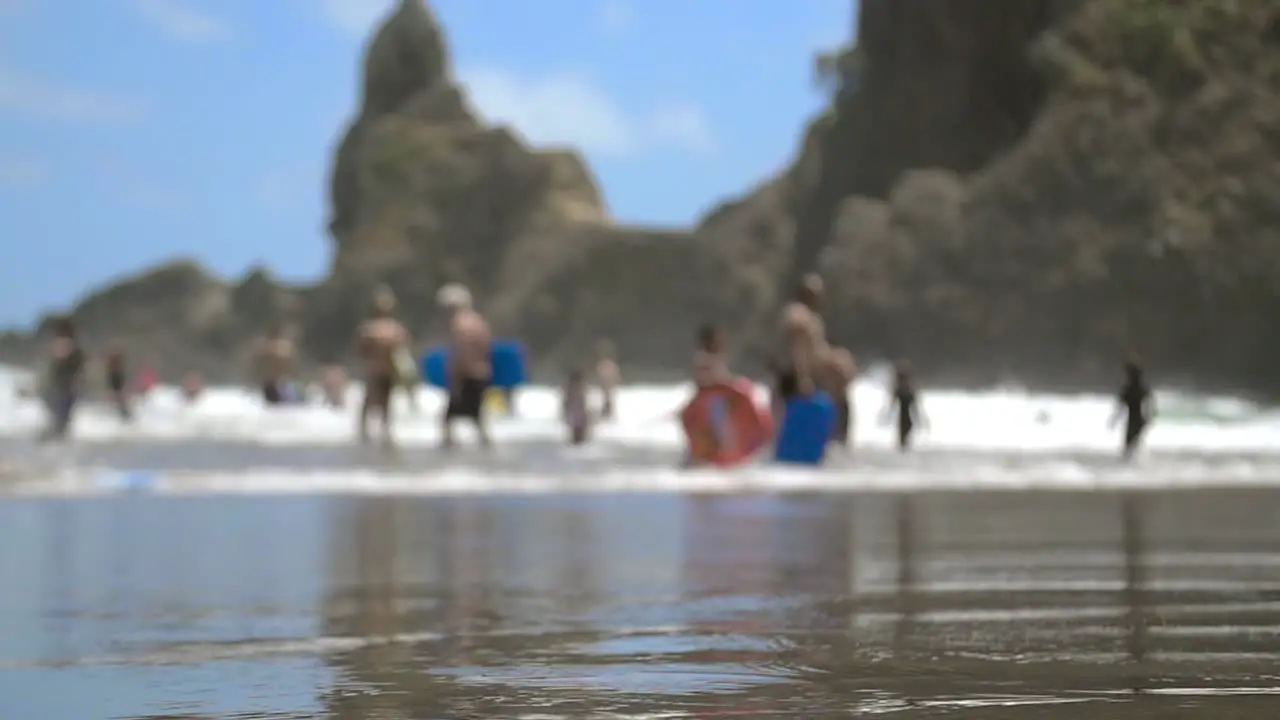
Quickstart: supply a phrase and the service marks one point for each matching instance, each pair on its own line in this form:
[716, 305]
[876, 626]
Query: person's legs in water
[116, 385]
[457, 407]
[905, 427]
[786, 385]
[61, 405]
[1134, 428]
[475, 404]
[366, 407]
[840, 430]
[272, 394]
[466, 402]
[384, 387]
[377, 397]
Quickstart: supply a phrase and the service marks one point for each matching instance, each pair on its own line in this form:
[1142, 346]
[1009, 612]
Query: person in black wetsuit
[1134, 401]
[906, 401]
[64, 380]
[117, 380]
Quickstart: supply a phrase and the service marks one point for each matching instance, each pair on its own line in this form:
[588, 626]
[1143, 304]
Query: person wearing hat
[469, 370]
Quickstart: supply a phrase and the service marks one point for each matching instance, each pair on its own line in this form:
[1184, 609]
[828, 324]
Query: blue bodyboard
[507, 358]
[806, 430]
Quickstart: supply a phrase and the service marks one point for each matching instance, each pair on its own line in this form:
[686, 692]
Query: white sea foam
[999, 439]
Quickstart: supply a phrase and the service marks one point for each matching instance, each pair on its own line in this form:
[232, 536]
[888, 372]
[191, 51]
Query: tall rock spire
[406, 57]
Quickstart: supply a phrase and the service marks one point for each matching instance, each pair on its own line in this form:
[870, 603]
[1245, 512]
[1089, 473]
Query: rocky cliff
[1000, 189]
[1136, 210]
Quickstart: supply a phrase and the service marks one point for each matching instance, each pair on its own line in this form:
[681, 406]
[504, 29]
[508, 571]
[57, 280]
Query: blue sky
[136, 130]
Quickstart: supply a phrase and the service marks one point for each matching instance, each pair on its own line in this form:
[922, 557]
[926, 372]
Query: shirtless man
[803, 338]
[607, 378]
[469, 371]
[381, 337]
[275, 360]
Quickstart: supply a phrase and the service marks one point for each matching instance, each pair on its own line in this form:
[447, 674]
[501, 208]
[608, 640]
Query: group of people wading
[803, 361]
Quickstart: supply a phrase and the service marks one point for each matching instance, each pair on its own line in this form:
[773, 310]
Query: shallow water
[1161, 604]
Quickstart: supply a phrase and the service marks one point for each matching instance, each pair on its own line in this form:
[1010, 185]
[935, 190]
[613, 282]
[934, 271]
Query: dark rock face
[1012, 189]
[1138, 213]
[424, 193]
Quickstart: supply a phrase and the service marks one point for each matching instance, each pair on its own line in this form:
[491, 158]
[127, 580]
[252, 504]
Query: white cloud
[21, 172]
[616, 15]
[568, 109]
[354, 16]
[27, 94]
[181, 21]
[683, 124]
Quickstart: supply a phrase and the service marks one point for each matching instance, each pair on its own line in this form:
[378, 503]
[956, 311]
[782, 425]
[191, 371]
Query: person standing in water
[608, 376]
[64, 380]
[117, 378]
[710, 364]
[803, 340]
[469, 370]
[1136, 403]
[275, 363]
[380, 337]
[574, 408]
[905, 400]
[838, 372]
[710, 368]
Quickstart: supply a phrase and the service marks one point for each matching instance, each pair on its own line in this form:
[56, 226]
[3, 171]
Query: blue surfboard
[806, 430]
[507, 358]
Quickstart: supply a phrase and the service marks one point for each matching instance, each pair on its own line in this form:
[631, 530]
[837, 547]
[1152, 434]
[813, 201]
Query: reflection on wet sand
[999, 605]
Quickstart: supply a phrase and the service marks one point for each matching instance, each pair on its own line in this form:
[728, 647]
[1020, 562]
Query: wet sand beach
[991, 605]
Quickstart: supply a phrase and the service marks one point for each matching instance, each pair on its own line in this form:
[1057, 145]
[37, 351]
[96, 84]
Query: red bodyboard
[747, 426]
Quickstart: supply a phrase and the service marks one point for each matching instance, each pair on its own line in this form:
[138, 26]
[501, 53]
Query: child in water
[710, 367]
[1134, 401]
[577, 416]
[906, 401]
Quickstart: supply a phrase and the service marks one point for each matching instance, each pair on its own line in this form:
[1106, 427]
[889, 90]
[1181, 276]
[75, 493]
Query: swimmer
[1136, 403]
[64, 380]
[803, 340]
[906, 401]
[574, 410]
[608, 377]
[274, 357]
[836, 378]
[469, 371]
[380, 337]
[116, 379]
